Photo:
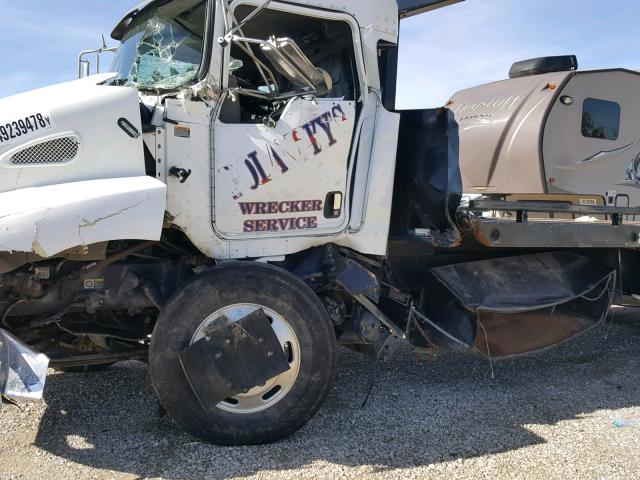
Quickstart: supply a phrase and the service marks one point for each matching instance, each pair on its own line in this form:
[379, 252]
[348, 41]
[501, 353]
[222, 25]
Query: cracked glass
[163, 47]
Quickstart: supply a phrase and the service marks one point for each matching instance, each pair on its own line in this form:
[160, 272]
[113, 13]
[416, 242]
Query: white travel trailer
[553, 129]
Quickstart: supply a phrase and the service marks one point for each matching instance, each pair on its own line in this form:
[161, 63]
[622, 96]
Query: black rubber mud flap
[232, 359]
[516, 305]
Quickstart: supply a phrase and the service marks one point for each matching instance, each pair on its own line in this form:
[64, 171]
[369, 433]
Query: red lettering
[323, 122]
[317, 205]
[272, 225]
[310, 129]
[248, 226]
[273, 207]
[261, 225]
[285, 223]
[306, 206]
[313, 222]
[248, 208]
[282, 209]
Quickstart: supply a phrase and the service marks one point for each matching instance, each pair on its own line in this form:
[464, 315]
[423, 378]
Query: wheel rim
[267, 395]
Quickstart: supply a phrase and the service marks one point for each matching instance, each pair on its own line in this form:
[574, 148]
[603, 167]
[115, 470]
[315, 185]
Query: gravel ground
[572, 412]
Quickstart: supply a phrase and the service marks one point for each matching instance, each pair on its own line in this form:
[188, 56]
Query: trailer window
[600, 119]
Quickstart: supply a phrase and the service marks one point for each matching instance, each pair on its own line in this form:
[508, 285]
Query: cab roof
[409, 8]
[406, 8]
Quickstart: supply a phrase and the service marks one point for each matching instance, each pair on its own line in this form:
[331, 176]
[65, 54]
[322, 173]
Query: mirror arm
[229, 35]
[309, 83]
[246, 47]
[251, 93]
[225, 14]
[226, 40]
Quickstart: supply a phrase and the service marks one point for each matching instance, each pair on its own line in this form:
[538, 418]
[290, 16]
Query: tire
[226, 286]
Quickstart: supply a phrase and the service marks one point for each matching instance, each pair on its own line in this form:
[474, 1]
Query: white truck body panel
[361, 160]
[274, 181]
[51, 219]
[189, 204]
[83, 110]
[204, 206]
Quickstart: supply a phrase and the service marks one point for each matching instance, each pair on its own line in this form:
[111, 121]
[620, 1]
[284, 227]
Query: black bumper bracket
[233, 359]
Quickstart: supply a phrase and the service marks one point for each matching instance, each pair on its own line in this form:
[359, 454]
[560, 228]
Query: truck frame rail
[521, 231]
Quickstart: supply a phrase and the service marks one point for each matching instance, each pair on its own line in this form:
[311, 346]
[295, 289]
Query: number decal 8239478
[24, 126]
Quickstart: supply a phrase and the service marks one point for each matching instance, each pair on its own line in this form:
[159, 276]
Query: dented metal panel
[274, 180]
[516, 305]
[22, 371]
[48, 220]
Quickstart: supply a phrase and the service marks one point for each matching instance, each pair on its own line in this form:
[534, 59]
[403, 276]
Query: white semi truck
[240, 196]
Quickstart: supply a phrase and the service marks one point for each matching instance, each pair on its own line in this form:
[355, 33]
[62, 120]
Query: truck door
[281, 168]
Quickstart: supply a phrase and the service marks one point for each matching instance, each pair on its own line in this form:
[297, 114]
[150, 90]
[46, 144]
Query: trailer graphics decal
[483, 110]
[633, 170]
[604, 154]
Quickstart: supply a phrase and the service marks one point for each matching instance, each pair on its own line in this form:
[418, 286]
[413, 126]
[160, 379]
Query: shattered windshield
[162, 49]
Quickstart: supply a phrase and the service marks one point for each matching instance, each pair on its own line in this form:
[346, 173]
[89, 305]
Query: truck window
[600, 119]
[388, 69]
[327, 43]
[162, 48]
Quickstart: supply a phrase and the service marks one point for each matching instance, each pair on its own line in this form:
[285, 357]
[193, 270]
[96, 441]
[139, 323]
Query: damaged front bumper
[22, 371]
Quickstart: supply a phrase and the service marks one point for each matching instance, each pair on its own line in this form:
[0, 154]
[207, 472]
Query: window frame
[585, 111]
[320, 14]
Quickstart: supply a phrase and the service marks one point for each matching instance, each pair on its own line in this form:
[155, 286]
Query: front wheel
[301, 324]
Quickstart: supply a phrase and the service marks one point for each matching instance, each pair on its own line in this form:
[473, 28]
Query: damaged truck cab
[240, 196]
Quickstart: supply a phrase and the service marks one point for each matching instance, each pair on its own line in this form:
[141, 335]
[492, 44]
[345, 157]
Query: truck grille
[56, 151]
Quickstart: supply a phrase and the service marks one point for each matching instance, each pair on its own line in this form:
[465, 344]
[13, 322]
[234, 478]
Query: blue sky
[440, 52]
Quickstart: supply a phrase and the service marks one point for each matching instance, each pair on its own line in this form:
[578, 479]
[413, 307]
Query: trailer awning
[409, 8]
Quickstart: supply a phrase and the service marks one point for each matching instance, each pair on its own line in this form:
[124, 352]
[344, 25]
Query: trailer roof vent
[538, 66]
[56, 151]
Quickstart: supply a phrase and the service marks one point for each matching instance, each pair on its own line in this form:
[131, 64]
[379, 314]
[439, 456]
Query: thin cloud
[477, 41]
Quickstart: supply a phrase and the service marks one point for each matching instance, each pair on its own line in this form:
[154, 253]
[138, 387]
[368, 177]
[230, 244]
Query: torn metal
[22, 371]
[37, 220]
[516, 305]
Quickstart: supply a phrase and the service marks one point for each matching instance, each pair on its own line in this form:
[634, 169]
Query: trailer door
[592, 137]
